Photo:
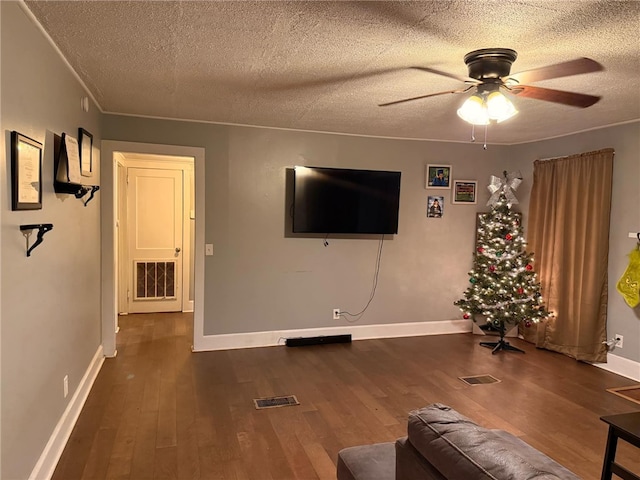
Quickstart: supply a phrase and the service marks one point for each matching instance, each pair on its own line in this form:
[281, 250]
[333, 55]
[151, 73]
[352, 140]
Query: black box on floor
[304, 341]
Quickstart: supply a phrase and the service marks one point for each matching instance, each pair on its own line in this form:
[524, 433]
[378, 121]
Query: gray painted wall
[261, 280]
[50, 302]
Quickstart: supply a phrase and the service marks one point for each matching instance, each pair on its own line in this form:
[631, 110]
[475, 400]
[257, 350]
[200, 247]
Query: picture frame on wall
[26, 173]
[435, 206]
[438, 176]
[465, 192]
[85, 147]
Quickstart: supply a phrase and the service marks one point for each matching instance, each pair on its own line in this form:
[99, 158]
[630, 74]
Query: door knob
[177, 249]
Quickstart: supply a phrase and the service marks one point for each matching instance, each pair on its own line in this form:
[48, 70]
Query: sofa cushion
[367, 462]
[459, 448]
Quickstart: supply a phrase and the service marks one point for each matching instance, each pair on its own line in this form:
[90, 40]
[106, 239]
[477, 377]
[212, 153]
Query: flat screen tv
[338, 200]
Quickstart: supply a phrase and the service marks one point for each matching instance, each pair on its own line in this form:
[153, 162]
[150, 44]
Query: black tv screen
[337, 200]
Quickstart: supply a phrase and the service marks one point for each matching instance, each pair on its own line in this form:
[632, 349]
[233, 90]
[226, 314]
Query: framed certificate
[26, 173]
[464, 191]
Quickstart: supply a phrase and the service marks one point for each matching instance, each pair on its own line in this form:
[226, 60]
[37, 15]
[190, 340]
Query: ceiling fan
[489, 72]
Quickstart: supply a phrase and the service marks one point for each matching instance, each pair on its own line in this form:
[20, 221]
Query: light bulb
[474, 111]
[499, 107]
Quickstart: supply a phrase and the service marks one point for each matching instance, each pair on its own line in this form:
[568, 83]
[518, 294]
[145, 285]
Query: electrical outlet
[65, 385]
[336, 314]
[619, 339]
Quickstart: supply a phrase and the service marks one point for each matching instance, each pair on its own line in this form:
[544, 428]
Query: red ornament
[466, 316]
[508, 236]
[529, 267]
[480, 249]
[492, 268]
[527, 323]
[521, 291]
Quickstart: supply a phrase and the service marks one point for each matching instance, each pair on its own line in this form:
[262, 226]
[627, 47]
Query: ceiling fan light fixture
[482, 108]
[474, 110]
[500, 107]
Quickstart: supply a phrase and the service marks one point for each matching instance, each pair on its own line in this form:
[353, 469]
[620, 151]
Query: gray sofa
[442, 444]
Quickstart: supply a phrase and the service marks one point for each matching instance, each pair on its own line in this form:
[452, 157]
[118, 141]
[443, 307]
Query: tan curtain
[568, 232]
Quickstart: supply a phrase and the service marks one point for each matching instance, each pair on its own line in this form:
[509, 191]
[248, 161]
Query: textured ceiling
[325, 66]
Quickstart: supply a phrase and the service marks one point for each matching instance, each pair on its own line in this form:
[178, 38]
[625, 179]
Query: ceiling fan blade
[564, 69]
[557, 96]
[446, 74]
[425, 96]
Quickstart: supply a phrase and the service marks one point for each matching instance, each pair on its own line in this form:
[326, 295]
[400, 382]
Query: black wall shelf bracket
[91, 190]
[42, 229]
[76, 190]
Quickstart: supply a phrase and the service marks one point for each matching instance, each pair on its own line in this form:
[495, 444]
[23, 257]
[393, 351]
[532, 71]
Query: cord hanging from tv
[340, 200]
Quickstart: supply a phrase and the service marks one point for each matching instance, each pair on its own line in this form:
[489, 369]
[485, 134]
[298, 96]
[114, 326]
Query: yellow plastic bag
[629, 283]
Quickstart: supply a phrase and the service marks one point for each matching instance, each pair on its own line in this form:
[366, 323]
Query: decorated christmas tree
[503, 288]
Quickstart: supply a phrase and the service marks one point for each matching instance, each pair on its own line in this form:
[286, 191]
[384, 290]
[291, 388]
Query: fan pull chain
[473, 132]
[486, 127]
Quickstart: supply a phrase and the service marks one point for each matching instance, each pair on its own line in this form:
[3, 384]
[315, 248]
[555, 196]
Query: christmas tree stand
[501, 344]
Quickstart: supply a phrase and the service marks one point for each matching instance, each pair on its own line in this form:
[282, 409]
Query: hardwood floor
[159, 411]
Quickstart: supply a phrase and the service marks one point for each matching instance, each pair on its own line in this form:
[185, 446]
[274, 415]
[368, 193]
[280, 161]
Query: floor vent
[479, 379]
[272, 402]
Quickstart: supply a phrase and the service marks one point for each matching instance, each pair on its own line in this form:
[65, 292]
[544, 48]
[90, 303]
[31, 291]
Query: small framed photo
[464, 191]
[26, 173]
[438, 176]
[435, 206]
[85, 147]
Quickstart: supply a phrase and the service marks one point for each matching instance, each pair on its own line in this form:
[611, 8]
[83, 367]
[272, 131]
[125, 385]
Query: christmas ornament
[466, 316]
[521, 291]
[498, 254]
[508, 236]
[629, 284]
[506, 186]
[492, 268]
[480, 249]
[527, 323]
[473, 280]
[529, 267]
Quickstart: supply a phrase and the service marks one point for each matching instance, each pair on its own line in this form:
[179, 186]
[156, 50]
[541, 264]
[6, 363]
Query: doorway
[118, 157]
[155, 230]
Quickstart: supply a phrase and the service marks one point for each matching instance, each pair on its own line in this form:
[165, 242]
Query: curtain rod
[575, 155]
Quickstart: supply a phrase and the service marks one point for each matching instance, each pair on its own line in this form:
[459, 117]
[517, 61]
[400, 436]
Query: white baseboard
[188, 307]
[53, 450]
[621, 366]
[358, 332]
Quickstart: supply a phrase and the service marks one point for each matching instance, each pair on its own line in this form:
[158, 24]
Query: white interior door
[155, 223]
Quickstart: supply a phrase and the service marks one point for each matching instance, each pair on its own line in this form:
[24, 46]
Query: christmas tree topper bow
[506, 185]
